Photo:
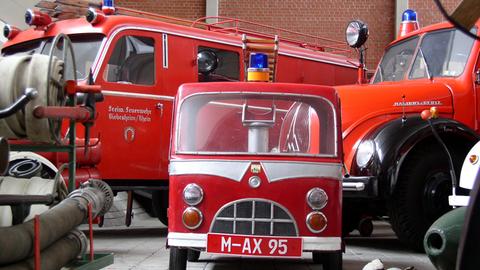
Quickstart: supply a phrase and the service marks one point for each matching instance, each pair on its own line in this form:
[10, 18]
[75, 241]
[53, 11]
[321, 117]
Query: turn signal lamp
[10, 32]
[409, 22]
[429, 114]
[108, 7]
[316, 222]
[192, 218]
[258, 70]
[473, 159]
[94, 16]
[37, 18]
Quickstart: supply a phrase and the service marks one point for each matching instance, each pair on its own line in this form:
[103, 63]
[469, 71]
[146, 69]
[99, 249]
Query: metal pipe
[16, 242]
[57, 255]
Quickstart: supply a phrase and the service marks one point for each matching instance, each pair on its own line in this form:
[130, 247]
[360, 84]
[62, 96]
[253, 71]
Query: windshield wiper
[430, 76]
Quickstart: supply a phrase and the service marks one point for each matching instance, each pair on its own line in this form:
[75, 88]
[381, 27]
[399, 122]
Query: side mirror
[4, 155]
[356, 34]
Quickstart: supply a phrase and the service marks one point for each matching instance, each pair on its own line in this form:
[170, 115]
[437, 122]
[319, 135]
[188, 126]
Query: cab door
[131, 121]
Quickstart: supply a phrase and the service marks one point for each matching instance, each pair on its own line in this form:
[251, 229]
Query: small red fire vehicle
[256, 170]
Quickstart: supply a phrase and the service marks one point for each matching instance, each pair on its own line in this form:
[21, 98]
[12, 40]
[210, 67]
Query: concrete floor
[143, 247]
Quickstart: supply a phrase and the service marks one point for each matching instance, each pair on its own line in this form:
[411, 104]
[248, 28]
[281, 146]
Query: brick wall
[186, 9]
[428, 12]
[326, 18]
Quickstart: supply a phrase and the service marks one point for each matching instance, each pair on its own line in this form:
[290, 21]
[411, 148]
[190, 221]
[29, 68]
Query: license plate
[259, 246]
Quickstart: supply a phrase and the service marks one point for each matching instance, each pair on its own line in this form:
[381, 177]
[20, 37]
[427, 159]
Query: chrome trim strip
[165, 50]
[358, 186]
[136, 95]
[277, 170]
[199, 240]
[228, 169]
[322, 243]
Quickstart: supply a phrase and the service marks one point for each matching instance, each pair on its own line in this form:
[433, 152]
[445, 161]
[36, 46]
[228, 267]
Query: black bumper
[360, 187]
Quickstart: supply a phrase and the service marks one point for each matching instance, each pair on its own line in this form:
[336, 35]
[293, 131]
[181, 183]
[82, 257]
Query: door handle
[159, 106]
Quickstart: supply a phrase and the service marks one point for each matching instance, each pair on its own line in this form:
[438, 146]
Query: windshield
[442, 53]
[253, 123]
[85, 47]
[396, 61]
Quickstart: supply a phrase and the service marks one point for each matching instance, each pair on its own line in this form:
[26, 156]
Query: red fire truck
[396, 167]
[140, 61]
[262, 175]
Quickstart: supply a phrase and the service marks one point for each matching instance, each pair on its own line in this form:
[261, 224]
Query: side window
[132, 61]
[217, 65]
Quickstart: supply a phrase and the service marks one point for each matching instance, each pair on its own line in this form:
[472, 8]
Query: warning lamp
[93, 16]
[9, 31]
[409, 22]
[37, 18]
[108, 7]
[258, 70]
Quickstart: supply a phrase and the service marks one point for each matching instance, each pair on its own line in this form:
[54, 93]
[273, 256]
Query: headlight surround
[356, 34]
[192, 194]
[317, 198]
[365, 152]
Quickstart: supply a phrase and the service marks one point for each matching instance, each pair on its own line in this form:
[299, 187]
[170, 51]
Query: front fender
[395, 139]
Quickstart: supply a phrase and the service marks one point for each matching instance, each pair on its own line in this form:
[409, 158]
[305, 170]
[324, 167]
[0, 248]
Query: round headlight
[317, 198]
[356, 34]
[192, 194]
[365, 153]
[207, 61]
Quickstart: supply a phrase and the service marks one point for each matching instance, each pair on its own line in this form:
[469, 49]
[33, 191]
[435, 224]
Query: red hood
[361, 103]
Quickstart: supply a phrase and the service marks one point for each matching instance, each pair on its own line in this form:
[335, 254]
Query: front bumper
[360, 187]
[199, 241]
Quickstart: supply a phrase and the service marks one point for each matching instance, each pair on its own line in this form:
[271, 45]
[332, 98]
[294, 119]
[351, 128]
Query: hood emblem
[255, 168]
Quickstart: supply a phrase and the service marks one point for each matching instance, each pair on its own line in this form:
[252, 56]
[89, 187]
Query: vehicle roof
[326, 92]
[429, 28]
[115, 22]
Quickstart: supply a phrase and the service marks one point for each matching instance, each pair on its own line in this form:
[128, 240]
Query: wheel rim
[435, 196]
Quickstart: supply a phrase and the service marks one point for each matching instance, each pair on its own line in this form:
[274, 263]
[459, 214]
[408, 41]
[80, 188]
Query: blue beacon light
[409, 16]
[258, 70]
[258, 60]
[108, 7]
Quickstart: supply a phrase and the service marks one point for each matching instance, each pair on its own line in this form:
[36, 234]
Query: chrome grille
[254, 217]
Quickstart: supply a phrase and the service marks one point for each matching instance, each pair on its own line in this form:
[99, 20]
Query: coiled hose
[19, 72]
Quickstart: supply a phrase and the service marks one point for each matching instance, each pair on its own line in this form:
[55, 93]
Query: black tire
[193, 255]
[329, 260]
[421, 195]
[351, 219]
[160, 205]
[365, 227]
[178, 259]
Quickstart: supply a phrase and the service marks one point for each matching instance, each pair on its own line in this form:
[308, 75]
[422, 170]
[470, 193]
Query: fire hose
[23, 72]
[16, 242]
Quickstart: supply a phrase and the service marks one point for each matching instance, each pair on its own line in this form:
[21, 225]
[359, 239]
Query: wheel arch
[396, 140]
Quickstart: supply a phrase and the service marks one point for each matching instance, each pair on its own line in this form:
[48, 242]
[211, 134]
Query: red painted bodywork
[366, 107]
[290, 193]
[144, 155]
